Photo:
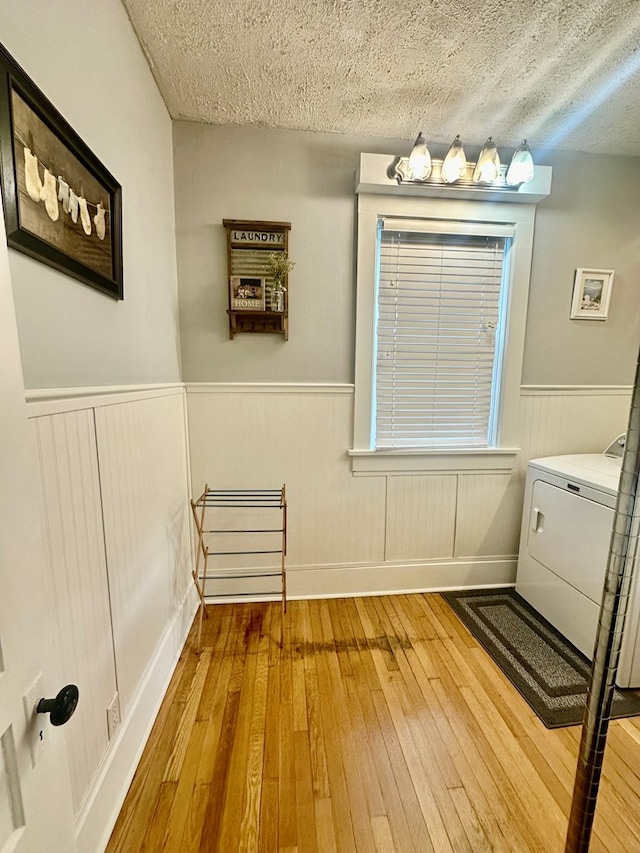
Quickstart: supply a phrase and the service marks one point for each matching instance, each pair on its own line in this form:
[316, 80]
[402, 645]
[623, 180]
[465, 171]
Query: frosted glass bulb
[521, 168]
[455, 163]
[488, 166]
[419, 166]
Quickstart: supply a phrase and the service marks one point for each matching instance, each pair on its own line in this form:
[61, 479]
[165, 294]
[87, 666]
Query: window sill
[490, 460]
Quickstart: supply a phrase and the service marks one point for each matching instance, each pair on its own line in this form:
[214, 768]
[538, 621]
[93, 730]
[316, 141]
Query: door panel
[76, 583]
[35, 802]
[11, 807]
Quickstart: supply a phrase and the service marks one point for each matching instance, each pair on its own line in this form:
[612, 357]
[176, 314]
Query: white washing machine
[564, 545]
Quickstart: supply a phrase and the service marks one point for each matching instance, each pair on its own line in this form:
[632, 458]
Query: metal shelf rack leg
[244, 502]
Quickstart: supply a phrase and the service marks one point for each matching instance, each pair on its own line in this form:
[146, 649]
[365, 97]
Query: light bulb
[487, 168]
[455, 163]
[419, 165]
[521, 168]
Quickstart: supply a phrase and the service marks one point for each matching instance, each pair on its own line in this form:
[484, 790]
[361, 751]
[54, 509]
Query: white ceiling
[563, 73]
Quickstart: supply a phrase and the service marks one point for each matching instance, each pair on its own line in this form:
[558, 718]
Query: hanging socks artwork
[53, 190]
[99, 221]
[63, 193]
[84, 215]
[31, 176]
[73, 205]
[48, 195]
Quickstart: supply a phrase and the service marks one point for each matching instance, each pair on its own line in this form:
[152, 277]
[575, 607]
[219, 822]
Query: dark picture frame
[61, 205]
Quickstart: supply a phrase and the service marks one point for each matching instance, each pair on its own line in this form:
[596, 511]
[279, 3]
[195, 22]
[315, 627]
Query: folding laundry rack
[223, 507]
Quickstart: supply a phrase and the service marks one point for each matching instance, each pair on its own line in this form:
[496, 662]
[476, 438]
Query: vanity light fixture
[419, 165]
[487, 168]
[521, 168]
[454, 166]
[419, 168]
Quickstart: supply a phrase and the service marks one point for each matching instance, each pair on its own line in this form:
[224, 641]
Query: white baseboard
[100, 812]
[397, 578]
[353, 580]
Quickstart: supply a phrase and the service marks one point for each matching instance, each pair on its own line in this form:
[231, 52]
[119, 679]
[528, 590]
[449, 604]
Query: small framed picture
[591, 294]
[247, 293]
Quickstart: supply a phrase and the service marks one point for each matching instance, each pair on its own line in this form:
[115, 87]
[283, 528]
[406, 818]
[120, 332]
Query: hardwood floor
[380, 725]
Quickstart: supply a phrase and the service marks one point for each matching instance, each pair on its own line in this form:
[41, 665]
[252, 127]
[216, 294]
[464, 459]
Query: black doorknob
[61, 708]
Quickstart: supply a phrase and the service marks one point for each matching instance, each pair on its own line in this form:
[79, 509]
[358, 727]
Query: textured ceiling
[566, 75]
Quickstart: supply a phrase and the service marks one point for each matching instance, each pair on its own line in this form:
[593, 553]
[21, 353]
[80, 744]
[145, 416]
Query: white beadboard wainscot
[420, 517]
[557, 419]
[389, 533]
[261, 436]
[114, 465]
[488, 514]
[141, 448]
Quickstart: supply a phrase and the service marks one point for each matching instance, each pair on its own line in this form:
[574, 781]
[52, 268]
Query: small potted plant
[278, 267]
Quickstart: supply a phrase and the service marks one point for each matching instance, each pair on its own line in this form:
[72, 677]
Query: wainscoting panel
[262, 438]
[77, 586]
[115, 487]
[345, 530]
[143, 469]
[560, 420]
[489, 510]
[421, 517]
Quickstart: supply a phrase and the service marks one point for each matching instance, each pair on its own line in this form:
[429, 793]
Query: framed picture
[591, 294]
[247, 293]
[61, 205]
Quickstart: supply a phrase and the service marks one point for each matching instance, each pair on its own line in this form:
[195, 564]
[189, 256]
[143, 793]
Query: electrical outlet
[37, 724]
[113, 716]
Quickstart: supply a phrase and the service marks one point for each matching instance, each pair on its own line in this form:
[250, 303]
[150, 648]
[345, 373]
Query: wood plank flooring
[379, 726]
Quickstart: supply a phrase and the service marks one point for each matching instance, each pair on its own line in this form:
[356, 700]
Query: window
[438, 362]
[441, 300]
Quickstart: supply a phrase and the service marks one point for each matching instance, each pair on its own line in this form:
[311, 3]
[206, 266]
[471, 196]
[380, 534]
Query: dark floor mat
[549, 672]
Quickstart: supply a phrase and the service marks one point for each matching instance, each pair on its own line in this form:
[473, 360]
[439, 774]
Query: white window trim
[490, 460]
[371, 208]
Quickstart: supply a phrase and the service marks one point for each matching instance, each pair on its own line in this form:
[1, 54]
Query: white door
[35, 801]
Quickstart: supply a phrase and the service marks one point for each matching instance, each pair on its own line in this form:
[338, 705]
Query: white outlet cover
[37, 724]
[113, 716]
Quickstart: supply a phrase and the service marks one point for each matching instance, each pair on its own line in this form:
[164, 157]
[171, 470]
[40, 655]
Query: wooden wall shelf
[274, 322]
[249, 244]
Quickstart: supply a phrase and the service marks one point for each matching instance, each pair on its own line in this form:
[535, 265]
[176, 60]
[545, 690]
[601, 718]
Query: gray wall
[591, 219]
[87, 61]
[249, 173]
[73, 335]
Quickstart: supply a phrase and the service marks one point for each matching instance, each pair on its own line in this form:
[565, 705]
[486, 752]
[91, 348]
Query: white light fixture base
[378, 173]
[401, 173]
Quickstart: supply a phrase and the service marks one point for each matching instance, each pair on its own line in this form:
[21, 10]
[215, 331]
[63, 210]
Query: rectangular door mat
[549, 672]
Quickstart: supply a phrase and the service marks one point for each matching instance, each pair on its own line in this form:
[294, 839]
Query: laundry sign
[257, 238]
[254, 303]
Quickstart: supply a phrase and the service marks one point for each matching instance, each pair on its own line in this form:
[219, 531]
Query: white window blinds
[438, 341]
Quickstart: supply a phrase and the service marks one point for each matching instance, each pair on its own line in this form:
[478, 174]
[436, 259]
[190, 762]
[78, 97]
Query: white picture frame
[591, 294]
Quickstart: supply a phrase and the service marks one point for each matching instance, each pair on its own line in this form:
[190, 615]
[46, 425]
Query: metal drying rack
[238, 499]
